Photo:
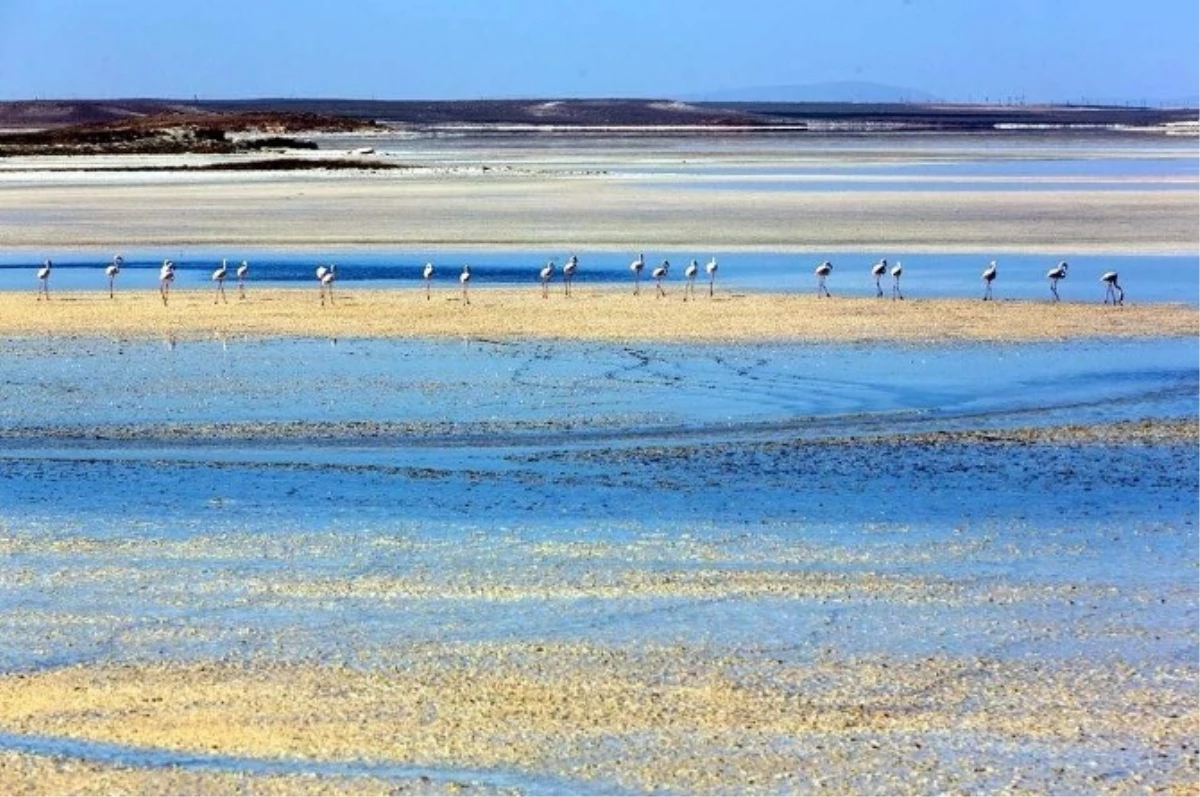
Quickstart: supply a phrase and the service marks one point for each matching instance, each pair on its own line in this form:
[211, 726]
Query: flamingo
[43, 276]
[989, 274]
[822, 271]
[325, 277]
[166, 275]
[1114, 290]
[636, 267]
[427, 275]
[658, 275]
[569, 269]
[897, 270]
[219, 277]
[711, 270]
[465, 279]
[114, 268]
[243, 271]
[546, 274]
[690, 273]
[877, 271]
[1054, 275]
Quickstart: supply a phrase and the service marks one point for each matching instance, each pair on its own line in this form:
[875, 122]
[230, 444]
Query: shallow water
[1145, 278]
[158, 501]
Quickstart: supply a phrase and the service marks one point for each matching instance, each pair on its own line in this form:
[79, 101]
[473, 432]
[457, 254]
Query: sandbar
[597, 314]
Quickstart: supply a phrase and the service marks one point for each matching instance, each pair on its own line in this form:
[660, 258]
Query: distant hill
[831, 91]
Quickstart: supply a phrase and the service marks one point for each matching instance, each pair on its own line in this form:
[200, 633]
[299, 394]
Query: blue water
[1145, 278]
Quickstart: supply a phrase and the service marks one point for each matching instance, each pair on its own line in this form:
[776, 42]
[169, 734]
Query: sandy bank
[609, 314]
[673, 719]
[45, 212]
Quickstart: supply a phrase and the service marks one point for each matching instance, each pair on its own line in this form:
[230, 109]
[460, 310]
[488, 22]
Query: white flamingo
[658, 275]
[897, 270]
[690, 273]
[114, 268]
[636, 267]
[989, 276]
[325, 278]
[1114, 290]
[218, 277]
[43, 276]
[243, 272]
[465, 280]
[1054, 275]
[711, 270]
[546, 274]
[877, 271]
[569, 269]
[427, 275]
[822, 271]
[166, 275]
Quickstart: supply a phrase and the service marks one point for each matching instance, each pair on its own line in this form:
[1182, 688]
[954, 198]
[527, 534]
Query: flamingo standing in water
[711, 270]
[546, 274]
[1054, 275]
[1114, 291]
[658, 275]
[427, 275]
[690, 273]
[636, 267]
[114, 268]
[219, 277]
[43, 276]
[897, 270]
[242, 272]
[822, 271]
[572, 265]
[325, 278]
[877, 271]
[465, 280]
[989, 276]
[166, 275]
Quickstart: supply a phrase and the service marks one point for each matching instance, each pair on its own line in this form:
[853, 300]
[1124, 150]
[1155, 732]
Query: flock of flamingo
[327, 275]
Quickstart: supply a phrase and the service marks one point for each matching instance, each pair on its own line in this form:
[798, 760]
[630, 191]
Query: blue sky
[959, 50]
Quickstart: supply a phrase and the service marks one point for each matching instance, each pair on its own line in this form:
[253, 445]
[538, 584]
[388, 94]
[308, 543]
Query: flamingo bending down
[465, 279]
[325, 278]
[43, 276]
[572, 265]
[989, 275]
[897, 270]
[427, 275]
[822, 271]
[1114, 290]
[546, 274]
[636, 267]
[166, 275]
[658, 275]
[219, 277]
[1054, 275]
[114, 268]
[877, 271]
[690, 274]
[711, 270]
[242, 272]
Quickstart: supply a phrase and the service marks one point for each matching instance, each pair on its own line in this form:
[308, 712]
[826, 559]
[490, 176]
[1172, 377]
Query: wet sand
[677, 719]
[608, 314]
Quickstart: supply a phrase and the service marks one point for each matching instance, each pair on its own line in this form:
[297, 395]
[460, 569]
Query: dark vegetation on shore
[178, 132]
[327, 114]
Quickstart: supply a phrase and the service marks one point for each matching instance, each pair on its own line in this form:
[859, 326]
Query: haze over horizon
[1028, 51]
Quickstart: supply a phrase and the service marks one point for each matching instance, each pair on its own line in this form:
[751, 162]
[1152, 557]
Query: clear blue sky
[1043, 50]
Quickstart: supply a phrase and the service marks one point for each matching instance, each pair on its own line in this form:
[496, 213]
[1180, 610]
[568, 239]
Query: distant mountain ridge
[829, 91]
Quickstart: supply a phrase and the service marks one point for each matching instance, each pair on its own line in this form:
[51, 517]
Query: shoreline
[603, 315]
